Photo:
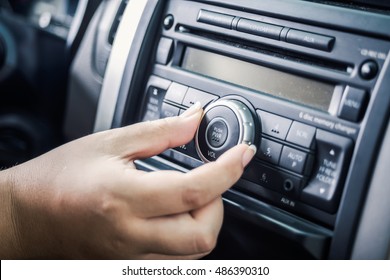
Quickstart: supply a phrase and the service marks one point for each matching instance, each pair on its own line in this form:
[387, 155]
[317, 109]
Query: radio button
[164, 51]
[153, 104]
[301, 134]
[216, 19]
[168, 22]
[263, 175]
[368, 70]
[324, 189]
[168, 110]
[311, 40]
[353, 104]
[217, 133]
[194, 95]
[259, 28]
[293, 160]
[176, 93]
[274, 125]
[273, 179]
[269, 151]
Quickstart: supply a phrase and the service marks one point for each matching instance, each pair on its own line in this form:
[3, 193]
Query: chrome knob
[225, 123]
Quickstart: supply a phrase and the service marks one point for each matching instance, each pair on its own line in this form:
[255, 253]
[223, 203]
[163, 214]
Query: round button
[168, 22]
[217, 133]
[225, 123]
[369, 69]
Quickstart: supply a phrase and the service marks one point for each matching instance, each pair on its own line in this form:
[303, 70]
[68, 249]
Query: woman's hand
[85, 199]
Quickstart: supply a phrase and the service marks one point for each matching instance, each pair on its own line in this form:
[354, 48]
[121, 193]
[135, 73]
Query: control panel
[304, 82]
[297, 163]
[300, 93]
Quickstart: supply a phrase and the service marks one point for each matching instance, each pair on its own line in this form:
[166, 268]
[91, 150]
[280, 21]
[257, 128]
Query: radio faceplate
[296, 164]
[309, 101]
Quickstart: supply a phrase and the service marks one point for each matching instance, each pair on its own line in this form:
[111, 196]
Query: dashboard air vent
[117, 20]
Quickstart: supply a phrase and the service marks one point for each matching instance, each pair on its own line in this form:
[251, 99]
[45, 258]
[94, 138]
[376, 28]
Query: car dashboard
[307, 82]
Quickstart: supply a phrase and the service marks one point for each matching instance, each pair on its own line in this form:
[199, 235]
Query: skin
[85, 199]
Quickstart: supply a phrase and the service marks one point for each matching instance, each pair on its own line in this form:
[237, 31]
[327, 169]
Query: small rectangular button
[311, 40]
[273, 179]
[176, 93]
[164, 51]
[269, 151]
[168, 110]
[153, 104]
[259, 28]
[150, 115]
[274, 125]
[353, 104]
[194, 95]
[216, 19]
[264, 176]
[301, 134]
[293, 160]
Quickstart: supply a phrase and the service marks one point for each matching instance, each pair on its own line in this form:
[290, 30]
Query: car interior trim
[117, 63]
[77, 21]
[354, 195]
[374, 230]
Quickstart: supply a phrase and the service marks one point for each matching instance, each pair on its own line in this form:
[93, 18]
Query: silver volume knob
[225, 123]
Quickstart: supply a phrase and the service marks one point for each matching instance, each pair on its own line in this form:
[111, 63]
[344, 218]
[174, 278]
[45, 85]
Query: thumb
[147, 139]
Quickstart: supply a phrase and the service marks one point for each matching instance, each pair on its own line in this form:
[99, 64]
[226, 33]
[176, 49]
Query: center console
[305, 82]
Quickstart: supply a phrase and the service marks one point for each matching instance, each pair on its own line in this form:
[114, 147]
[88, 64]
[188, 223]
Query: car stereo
[298, 92]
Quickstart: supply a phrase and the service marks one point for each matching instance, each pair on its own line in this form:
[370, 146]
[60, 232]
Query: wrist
[9, 242]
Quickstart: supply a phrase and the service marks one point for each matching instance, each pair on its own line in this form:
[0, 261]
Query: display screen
[277, 83]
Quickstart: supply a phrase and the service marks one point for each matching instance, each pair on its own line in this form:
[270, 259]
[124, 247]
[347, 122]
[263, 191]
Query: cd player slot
[264, 29]
[264, 49]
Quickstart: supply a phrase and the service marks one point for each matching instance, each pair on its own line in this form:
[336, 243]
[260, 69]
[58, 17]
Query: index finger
[170, 192]
[146, 139]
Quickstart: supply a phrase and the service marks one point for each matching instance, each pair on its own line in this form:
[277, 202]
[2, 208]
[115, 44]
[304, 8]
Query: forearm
[9, 242]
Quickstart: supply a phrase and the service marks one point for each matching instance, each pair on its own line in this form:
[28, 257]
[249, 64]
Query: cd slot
[271, 51]
[264, 29]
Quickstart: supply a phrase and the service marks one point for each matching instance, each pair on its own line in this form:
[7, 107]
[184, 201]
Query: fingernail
[248, 155]
[192, 110]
